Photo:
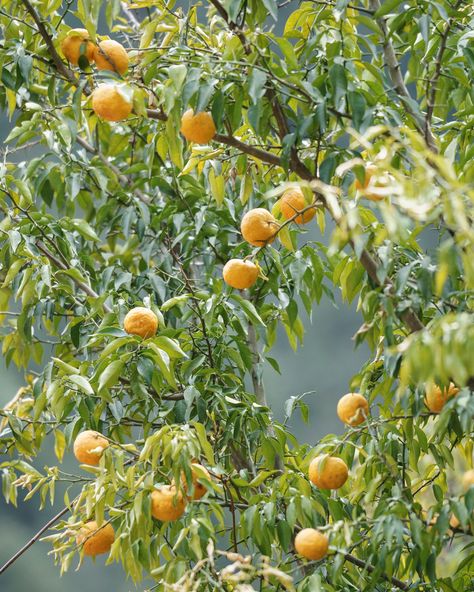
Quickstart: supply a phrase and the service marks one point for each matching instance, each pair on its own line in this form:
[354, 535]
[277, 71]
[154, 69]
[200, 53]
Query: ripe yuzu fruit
[436, 399]
[89, 446]
[259, 227]
[352, 409]
[240, 274]
[95, 540]
[370, 171]
[141, 321]
[76, 43]
[328, 472]
[109, 103]
[111, 55]
[454, 522]
[198, 128]
[197, 472]
[311, 544]
[293, 201]
[370, 181]
[167, 503]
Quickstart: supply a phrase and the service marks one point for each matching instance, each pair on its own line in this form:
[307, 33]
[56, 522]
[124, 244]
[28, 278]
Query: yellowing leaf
[217, 186]
[285, 238]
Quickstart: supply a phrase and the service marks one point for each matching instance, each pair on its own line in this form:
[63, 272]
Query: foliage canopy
[321, 96]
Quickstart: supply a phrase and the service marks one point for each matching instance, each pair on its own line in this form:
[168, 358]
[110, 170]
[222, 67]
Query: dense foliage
[115, 215]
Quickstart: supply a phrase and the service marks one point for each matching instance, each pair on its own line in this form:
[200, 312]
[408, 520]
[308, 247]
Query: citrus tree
[158, 238]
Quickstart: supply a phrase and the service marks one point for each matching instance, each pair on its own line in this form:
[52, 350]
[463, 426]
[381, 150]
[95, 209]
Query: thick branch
[262, 155]
[62, 69]
[257, 381]
[258, 386]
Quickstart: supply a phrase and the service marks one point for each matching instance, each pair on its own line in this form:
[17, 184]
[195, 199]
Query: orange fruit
[293, 201]
[311, 544]
[167, 504]
[328, 472]
[370, 181]
[76, 43]
[199, 489]
[259, 227]
[199, 128]
[141, 321]
[240, 274]
[89, 446]
[111, 55]
[436, 398]
[109, 103]
[95, 539]
[352, 409]
[454, 522]
[468, 479]
[370, 171]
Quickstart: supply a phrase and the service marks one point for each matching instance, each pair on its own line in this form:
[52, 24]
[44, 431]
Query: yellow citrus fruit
[141, 321]
[109, 104]
[167, 504]
[199, 489]
[89, 446]
[77, 43]
[95, 539]
[111, 55]
[370, 172]
[454, 522]
[436, 398]
[293, 201]
[198, 128]
[328, 472]
[311, 544]
[240, 274]
[352, 409]
[259, 227]
[468, 479]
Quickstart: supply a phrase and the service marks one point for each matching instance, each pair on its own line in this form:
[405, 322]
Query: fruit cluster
[168, 502]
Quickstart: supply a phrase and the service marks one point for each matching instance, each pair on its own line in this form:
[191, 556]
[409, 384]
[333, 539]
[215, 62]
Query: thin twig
[60, 265]
[33, 540]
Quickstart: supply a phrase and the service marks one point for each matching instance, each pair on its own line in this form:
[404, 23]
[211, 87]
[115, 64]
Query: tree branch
[124, 180]
[257, 381]
[431, 85]
[62, 69]
[33, 540]
[370, 568]
[398, 82]
[262, 155]
[60, 265]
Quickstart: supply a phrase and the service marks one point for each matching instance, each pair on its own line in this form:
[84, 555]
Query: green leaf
[111, 374]
[82, 383]
[387, 6]
[249, 310]
[257, 81]
[337, 75]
